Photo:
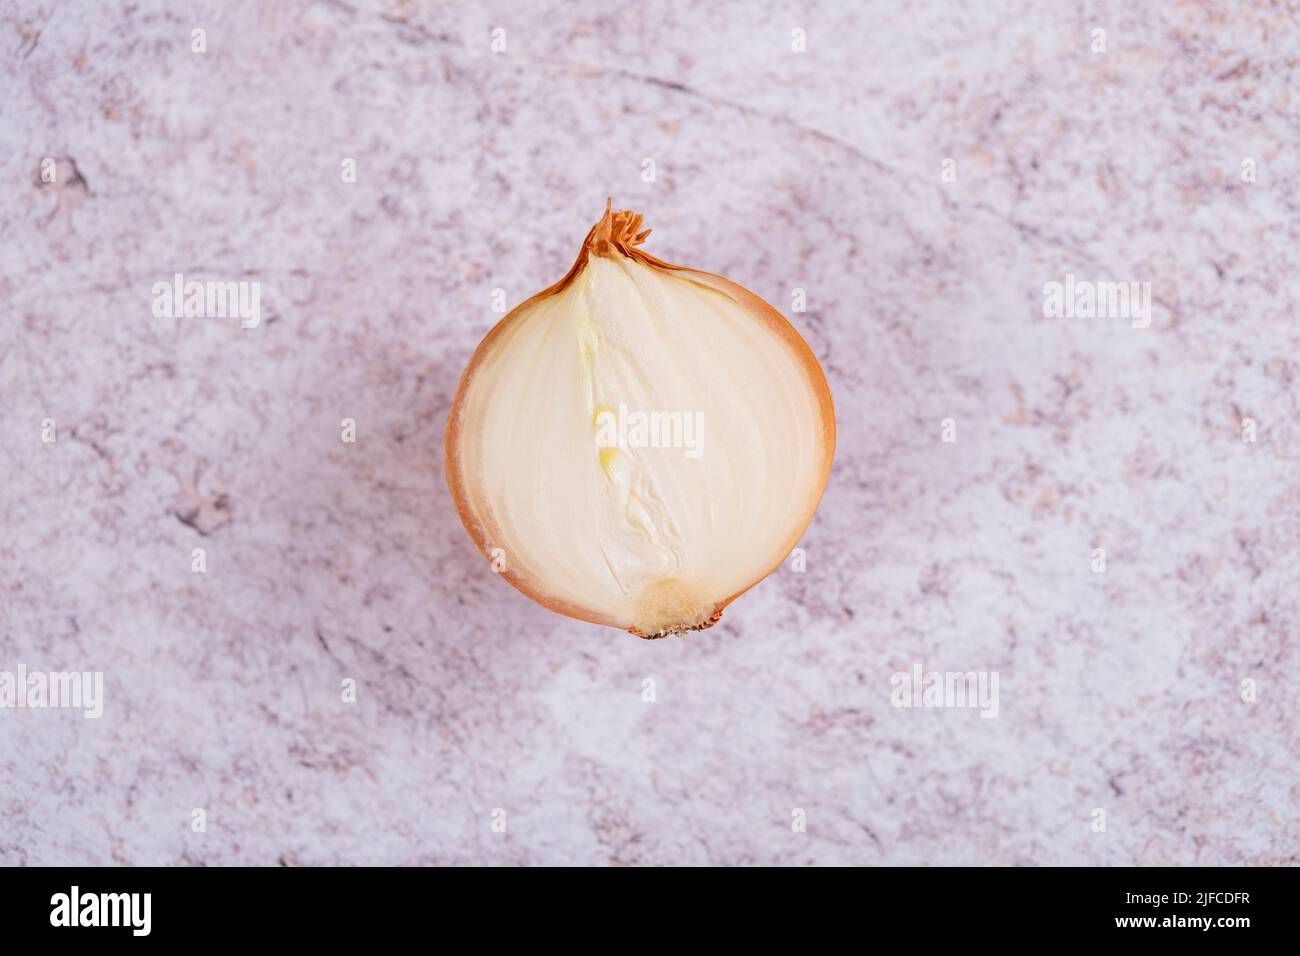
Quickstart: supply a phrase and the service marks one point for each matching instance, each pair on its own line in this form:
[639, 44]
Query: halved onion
[640, 443]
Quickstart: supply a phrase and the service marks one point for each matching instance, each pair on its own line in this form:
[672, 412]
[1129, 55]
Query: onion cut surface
[641, 443]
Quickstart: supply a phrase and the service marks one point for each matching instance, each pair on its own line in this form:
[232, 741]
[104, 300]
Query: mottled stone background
[818, 170]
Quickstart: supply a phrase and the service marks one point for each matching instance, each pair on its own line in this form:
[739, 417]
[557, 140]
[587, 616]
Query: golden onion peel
[640, 443]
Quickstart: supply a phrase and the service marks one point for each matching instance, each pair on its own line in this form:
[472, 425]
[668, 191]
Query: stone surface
[822, 170]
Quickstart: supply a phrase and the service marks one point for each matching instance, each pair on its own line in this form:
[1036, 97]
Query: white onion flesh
[551, 441]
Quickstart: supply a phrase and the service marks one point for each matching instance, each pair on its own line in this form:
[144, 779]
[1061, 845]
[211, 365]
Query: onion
[641, 443]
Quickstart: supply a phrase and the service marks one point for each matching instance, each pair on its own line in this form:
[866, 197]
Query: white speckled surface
[818, 170]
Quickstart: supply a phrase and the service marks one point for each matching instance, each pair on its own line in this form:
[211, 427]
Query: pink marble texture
[820, 170]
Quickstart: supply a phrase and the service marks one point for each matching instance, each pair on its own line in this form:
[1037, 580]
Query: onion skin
[620, 234]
